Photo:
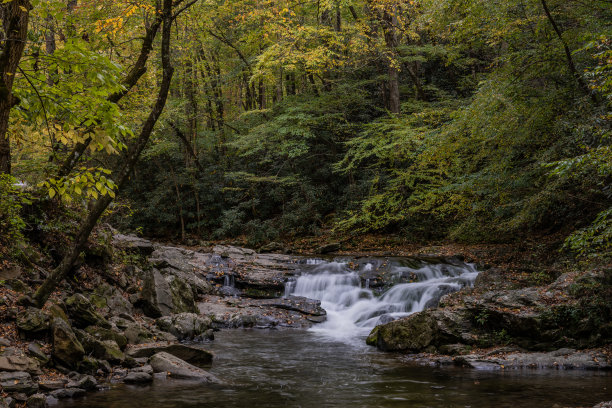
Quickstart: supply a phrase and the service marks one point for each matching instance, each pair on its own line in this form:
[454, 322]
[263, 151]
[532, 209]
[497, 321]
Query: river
[330, 365]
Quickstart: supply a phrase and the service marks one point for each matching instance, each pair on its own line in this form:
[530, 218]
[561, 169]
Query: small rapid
[354, 307]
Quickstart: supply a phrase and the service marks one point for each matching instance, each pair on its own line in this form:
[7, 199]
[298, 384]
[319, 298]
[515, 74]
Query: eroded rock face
[67, 349]
[13, 359]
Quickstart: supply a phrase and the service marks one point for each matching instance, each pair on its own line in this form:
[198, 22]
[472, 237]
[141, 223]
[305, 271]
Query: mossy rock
[67, 349]
[103, 334]
[82, 312]
[182, 296]
[33, 322]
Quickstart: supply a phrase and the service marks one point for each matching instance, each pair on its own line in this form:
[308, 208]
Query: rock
[101, 349]
[68, 393]
[33, 322]
[607, 404]
[35, 351]
[10, 272]
[299, 304]
[37, 401]
[17, 285]
[156, 296]
[18, 382]
[4, 342]
[138, 378]
[67, 349]
[51, 385]
[13, 359]
[56, 310]
[133, 244]
[184, 325]
[271, 247]
[136, 334]
[102, 334]
[11, 402]
[51, 400]
[329, 248]
[190, 354]
[177, 368]
[423, 331]
[182, 296]
[3, 403]
[82, 312]
[87, 382]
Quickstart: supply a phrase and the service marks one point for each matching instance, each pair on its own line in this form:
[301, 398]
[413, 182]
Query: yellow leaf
[51, 193]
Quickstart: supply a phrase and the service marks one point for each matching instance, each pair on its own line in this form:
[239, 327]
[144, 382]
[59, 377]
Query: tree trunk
[123, 173]
[15, 16]
[392, 41]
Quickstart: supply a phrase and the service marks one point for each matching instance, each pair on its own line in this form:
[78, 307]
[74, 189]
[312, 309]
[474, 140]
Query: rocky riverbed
[140, 310]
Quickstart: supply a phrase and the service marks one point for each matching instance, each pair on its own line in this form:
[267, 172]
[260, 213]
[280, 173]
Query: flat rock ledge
[504, 359]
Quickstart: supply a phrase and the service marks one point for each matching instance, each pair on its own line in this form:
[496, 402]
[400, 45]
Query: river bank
[132, 301]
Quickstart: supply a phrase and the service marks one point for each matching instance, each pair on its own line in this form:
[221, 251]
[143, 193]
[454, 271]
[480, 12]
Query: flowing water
[330, 365]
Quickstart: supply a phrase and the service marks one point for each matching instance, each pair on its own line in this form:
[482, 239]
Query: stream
[329, 365]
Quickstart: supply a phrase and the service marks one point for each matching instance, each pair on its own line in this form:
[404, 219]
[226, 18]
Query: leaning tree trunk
[67, 264]
[15, 15]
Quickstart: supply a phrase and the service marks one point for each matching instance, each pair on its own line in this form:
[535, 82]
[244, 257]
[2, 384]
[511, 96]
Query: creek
[329, 365]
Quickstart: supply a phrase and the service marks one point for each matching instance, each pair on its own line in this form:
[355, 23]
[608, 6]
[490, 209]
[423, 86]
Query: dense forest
[279, 191]
[462, 120]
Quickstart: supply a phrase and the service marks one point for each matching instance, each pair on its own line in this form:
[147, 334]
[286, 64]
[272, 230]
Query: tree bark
[15, 17]
[391, 40]
[125, 169]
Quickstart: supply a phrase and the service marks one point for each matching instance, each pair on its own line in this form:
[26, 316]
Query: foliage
[12, 198]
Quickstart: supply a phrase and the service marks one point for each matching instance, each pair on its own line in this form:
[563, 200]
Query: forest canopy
[464, 120]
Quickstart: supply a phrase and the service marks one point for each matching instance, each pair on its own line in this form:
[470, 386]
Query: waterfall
[353, 311]
[228, 281]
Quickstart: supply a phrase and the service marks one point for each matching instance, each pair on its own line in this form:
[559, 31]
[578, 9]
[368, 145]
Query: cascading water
[352, 310]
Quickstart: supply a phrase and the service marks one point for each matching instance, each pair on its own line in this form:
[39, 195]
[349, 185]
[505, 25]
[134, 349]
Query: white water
[352, 311]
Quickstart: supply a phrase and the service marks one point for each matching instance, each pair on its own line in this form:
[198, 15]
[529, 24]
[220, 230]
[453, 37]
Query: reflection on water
[296, 368]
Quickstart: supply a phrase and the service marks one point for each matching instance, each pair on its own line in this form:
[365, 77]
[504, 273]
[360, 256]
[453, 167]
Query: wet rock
[240, 320]
[177, 368]
[67, 349]
[37, 401]
[33, 322]
[156, 297]
[68, 393]
[86, 382]
[423, 331]
[190, 354]
[298, 304]
[138, 378]
[18, 382]
[565, 359]
[133, 244]
[13, 359]
[184, 325]
[82, 312]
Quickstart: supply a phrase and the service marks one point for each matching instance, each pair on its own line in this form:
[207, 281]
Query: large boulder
[67, 349]
[184, 325]
[156, 296]
[177, 368]
[32, 322]
[82, 312]
[190, 354]
[424, 331]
